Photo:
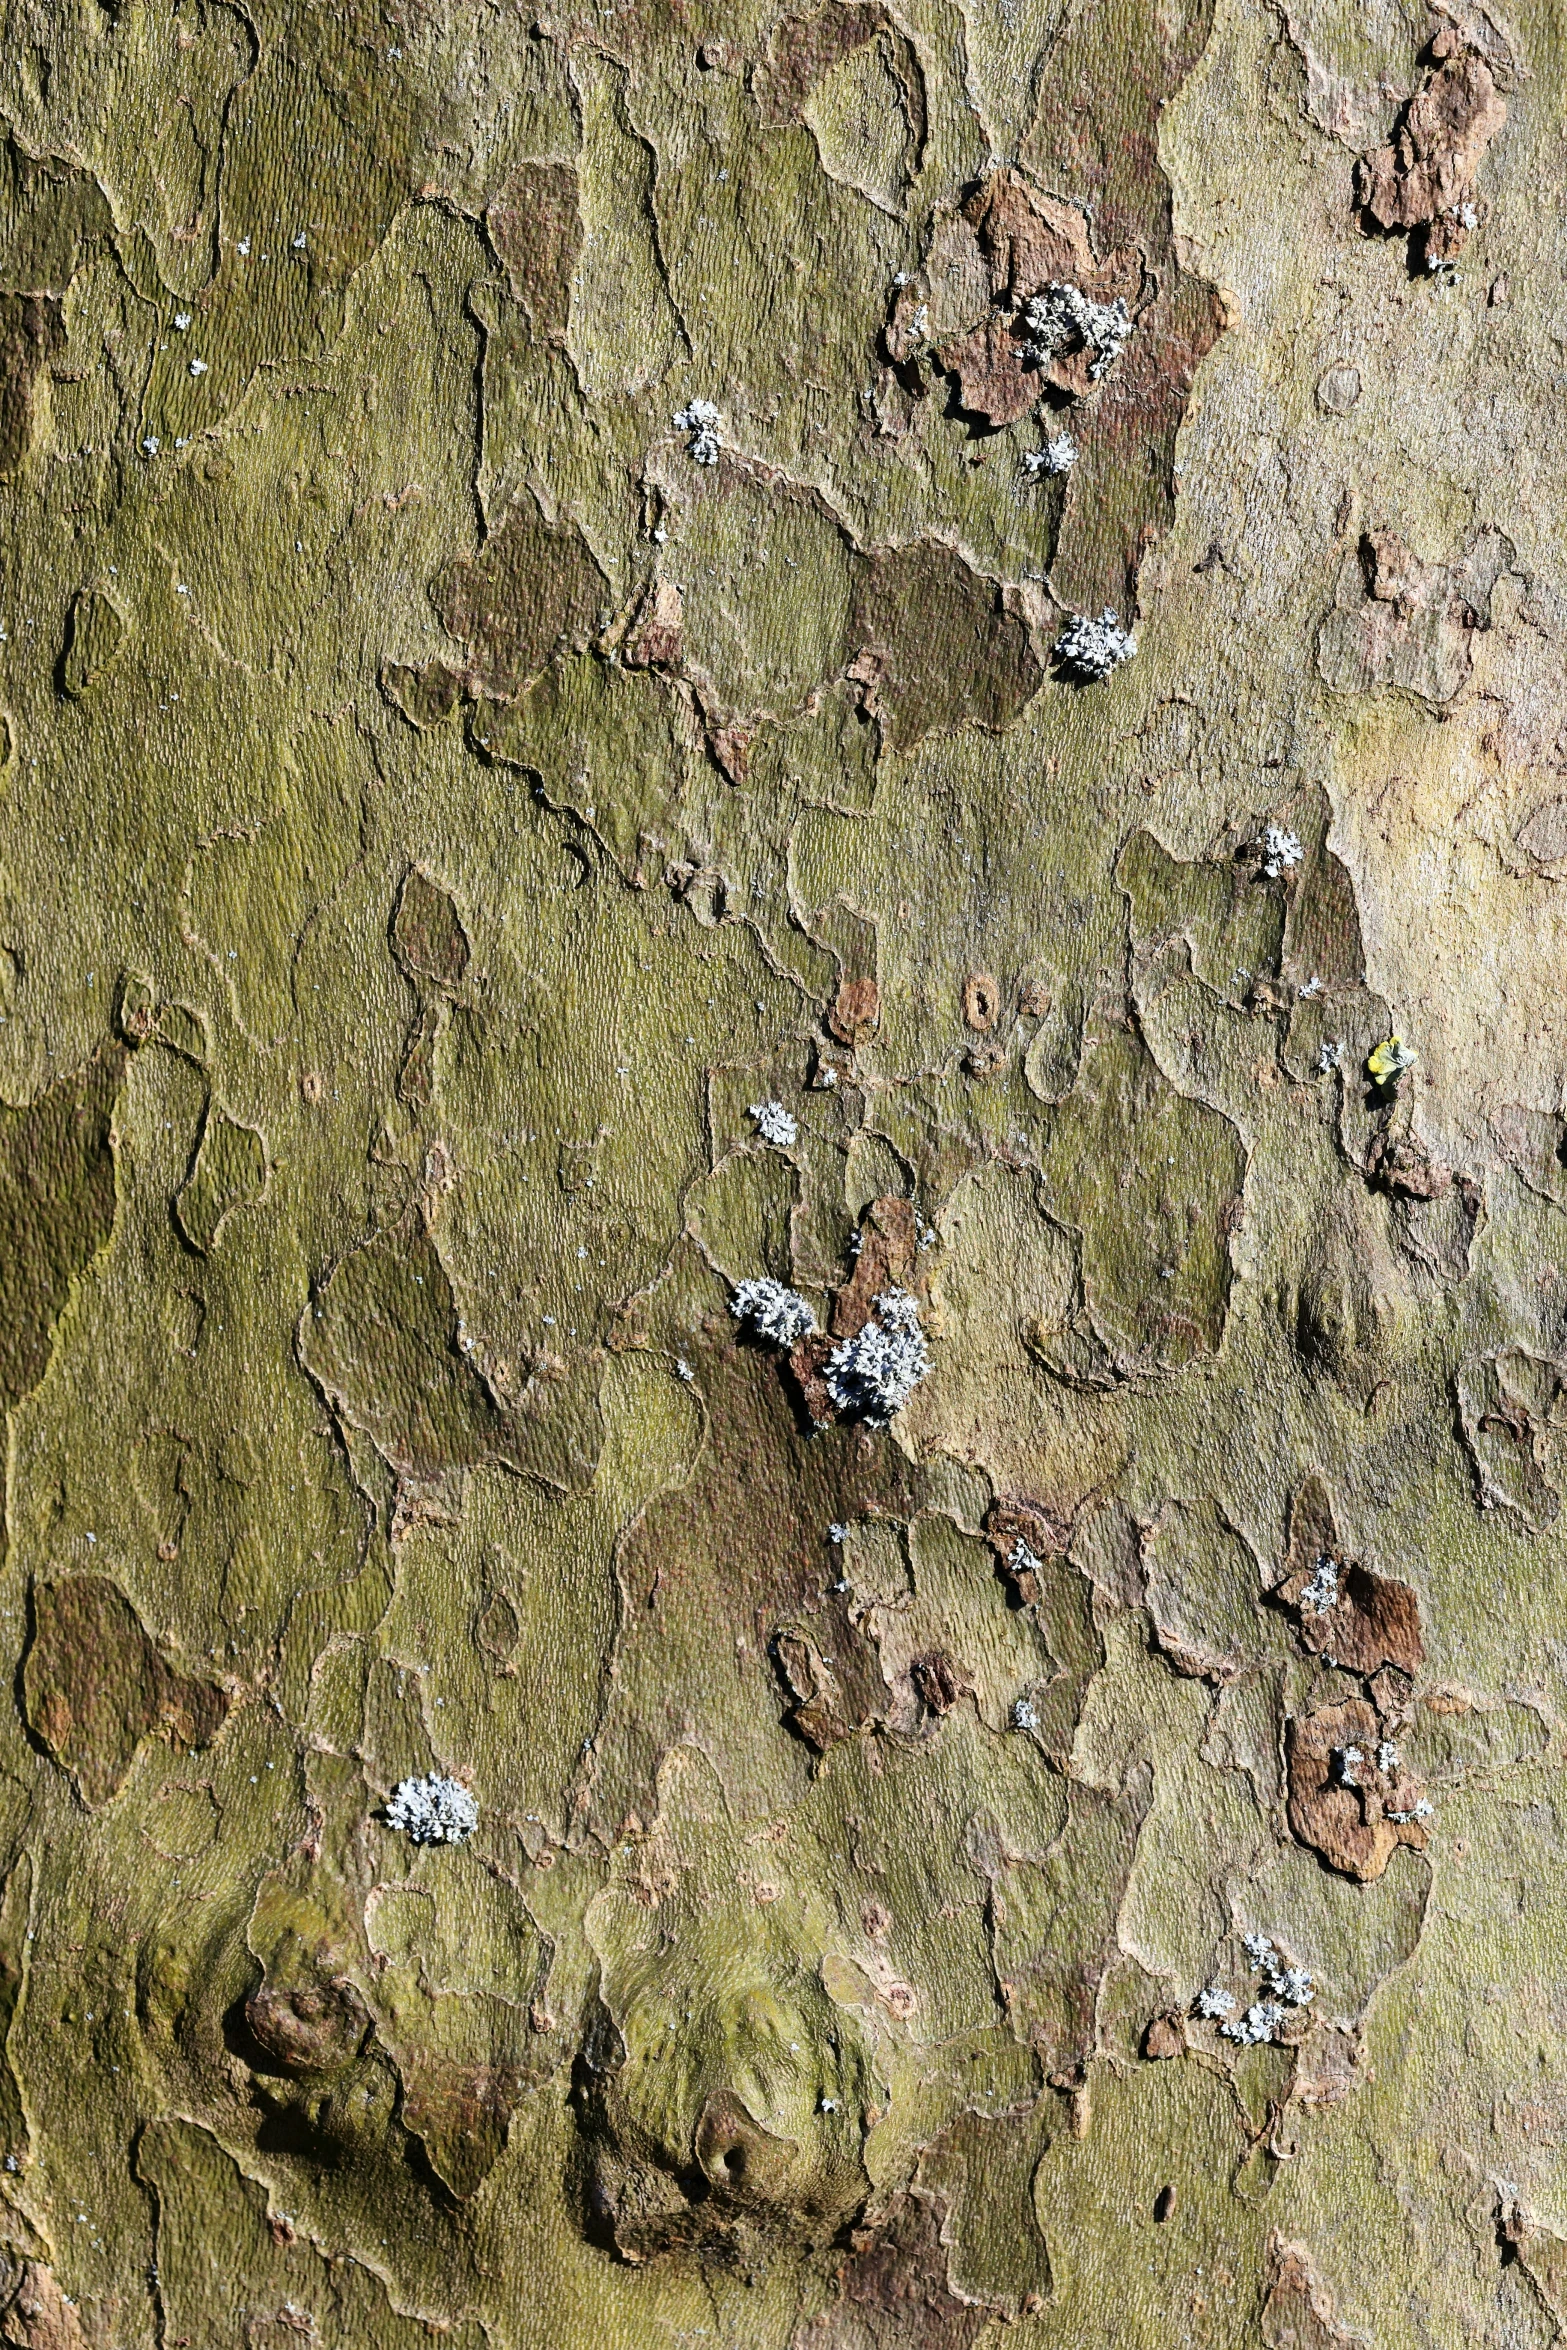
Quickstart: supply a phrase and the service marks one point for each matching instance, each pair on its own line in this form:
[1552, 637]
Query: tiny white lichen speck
[1387, 1756]
[774, 1124]
[1026, 1561]
[871, 1376]
[1328, 1056]
[1350, 1759]
[1063, 316]
[1023, 1714]
[780, 1315]
[1058, 456]
[433, 1811]
[1281, 852]
[699, 418]
[1092, 648]
[1320, 1595]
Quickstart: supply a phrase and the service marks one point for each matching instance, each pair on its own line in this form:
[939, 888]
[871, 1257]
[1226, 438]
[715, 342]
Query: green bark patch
[229, 1171]
[95, 633]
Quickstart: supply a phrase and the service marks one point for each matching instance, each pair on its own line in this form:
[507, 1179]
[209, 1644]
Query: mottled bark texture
[570, 743]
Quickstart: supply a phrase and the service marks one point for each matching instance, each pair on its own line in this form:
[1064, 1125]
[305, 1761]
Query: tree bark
[781, 1157]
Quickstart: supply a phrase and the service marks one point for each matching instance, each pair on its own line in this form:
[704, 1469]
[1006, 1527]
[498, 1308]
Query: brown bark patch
[1298, 2314]
[428, 694]
[56, 1209]
[1400, 621]
[533, 590]
[1164, 2038]
[31, 332]
[804, 50]
[308, 2027]
[939, 1681]
[938, 645]
[658, 631]
[816, 1706]
[95, 1686]
[1369, 1620]
[1512, 1415]
[1426, 178]
[38, 2316]
[856, 1011]
[1023, 1534]
[428, 938]
[1350, 1825]
[535, 226]
[894, 2290]
[888, 1259]
[460, 2113]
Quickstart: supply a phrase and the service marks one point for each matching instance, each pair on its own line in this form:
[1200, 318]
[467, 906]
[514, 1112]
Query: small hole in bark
[981, 1001]
[1164, 2204]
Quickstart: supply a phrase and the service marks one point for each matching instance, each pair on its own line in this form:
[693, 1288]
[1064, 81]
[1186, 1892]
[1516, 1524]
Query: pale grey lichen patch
[1281, 851]
[774, 1124]
[778, 1314]
[1058, 456]
[699, 418]
[1288, 1988]
[1320, 1595]
[433, 1810]
[1257, 2025]
[871, 1376]
[1064, 318]
[1091, 648]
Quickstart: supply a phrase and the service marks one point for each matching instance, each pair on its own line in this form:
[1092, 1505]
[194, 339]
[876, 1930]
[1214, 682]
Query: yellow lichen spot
[1389, 1060]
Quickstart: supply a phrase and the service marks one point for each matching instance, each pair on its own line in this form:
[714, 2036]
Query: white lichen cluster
[1023, 1715]
[1281, 851]
[433, 1811]
[774, 1124]
[781, 1316]
[1064, 317]
[1320, 1595]
[699, 418]
[1288, 1989]
[871, 1376]
[1024, 1561]
[1091, 648]
[1349, 1759]
[1328, 1056]
[1387, 1757]
[1421, 1810]
[1058, 456]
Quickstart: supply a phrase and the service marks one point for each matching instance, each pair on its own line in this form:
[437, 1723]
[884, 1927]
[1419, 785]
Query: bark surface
[783, 808]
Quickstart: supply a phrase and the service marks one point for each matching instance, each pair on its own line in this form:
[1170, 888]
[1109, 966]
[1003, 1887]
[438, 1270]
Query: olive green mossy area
[783, 1177]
